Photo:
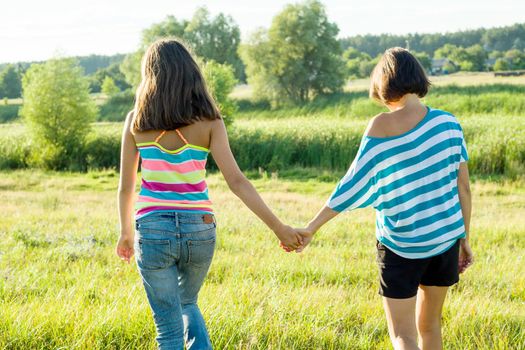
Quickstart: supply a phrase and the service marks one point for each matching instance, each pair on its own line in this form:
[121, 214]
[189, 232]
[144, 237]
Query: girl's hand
[307, 234]
[466, 257]
[290, 239]
[125, 248]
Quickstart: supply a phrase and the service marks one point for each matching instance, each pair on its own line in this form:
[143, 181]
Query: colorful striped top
[411, 181]
[172, 180]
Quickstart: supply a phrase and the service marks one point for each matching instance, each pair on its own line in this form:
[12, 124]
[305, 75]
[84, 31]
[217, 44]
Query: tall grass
[496, 99]
[496, 146]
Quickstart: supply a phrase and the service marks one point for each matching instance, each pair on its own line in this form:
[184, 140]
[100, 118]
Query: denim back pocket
[200, 252]
[153, 254]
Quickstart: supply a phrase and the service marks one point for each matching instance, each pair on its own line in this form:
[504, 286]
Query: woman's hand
[290, 238]
[466, 257]
[307, 234]
[125, 248]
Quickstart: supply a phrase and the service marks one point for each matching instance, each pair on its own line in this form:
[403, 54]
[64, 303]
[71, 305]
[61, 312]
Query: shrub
[58, 111]
[116, 107]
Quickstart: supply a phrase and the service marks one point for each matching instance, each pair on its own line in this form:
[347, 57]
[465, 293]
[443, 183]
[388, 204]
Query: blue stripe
[387, 171]
[433, 169]
[402, 148]
[174, 195]
[445, 180]
[404, 250]
[187, 154]
[417, 249]
[426, 221]
[431, 235]
[445, 197]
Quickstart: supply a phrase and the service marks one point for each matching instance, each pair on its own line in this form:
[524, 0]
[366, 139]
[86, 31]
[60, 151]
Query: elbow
[237, 183]
[122, 191]
[464, 189]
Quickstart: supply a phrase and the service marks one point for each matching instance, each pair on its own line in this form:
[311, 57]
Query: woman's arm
[242, 188]
[129, 158]
[466, 257]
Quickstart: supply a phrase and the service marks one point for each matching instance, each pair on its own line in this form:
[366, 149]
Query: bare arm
[129, 158]
[465, 197]
[242, 188]
[466, 257]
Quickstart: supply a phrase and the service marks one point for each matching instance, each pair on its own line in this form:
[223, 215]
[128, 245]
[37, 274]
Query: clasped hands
[294, 239]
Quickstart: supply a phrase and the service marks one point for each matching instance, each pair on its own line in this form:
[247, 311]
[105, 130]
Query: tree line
[298, 56]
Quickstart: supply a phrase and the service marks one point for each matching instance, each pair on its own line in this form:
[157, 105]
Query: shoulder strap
[181, 136]
[160, 135]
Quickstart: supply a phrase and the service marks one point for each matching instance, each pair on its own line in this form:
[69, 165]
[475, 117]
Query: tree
[424, 59]
[58, 111]
[221, 80]
[215, 39]
[501, 64]
[210, 38]
[10, 82]
[477, 57]
[355, 62]
[516, 59]
[298, 57]
[113, 71]
[109, 87]
[469, 59]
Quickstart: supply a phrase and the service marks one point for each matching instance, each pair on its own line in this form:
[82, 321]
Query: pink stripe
[151, 199]
[179, 188]
[162, 165]
[148, 209]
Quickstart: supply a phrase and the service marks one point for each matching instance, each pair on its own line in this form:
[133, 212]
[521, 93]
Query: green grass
[496, 145]
[62, 286]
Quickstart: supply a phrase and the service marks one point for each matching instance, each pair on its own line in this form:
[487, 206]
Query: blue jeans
[173, 252]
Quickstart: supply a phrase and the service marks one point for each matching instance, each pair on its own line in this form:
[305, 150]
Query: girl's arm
[466, 257]
[129, 159]
[323, 216]
[240, 186]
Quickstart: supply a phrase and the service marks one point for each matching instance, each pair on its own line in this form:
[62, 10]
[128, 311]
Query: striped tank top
[411, 181]
[172, 180]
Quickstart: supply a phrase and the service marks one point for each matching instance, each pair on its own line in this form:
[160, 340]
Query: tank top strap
[181, 136]
[160, 135]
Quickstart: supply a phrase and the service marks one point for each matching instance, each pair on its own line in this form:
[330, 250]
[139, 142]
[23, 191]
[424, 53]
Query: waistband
[179, 217]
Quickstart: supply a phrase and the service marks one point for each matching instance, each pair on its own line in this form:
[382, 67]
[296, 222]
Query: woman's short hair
[396, 74]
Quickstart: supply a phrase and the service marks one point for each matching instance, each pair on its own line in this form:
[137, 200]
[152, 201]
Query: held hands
[466, 257]
[290, 238]
[306, 235]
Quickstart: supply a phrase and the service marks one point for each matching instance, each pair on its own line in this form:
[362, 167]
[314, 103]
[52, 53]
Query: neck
[407, 101]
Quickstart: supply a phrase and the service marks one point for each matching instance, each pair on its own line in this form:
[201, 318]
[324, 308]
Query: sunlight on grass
[62, 286]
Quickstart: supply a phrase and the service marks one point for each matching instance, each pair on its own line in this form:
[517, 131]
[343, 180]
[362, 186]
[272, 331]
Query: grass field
[62, 286]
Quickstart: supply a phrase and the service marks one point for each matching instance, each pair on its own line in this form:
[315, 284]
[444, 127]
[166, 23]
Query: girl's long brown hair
[172, 92]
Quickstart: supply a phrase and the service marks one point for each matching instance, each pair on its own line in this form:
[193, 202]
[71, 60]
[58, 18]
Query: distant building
[440, 65]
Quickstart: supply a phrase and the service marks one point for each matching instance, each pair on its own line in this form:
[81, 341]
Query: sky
[33, 30]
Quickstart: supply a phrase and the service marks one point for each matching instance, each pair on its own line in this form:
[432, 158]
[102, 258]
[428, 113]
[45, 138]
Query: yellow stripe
[188, 145]
[172, 177]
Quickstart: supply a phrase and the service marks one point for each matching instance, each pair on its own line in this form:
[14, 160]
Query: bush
[102, 150]
[116, 107]
[58, 111]
[220, 79]
[8, 113]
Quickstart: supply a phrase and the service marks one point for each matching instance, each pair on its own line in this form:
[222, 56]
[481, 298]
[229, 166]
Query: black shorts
[400, 277]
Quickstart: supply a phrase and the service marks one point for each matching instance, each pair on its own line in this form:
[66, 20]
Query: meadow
[325, 133]
[62, 286]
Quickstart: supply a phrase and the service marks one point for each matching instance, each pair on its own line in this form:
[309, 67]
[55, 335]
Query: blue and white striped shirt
[411, 181]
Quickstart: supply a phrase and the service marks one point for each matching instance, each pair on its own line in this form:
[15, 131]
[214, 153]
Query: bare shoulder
[377, 126]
